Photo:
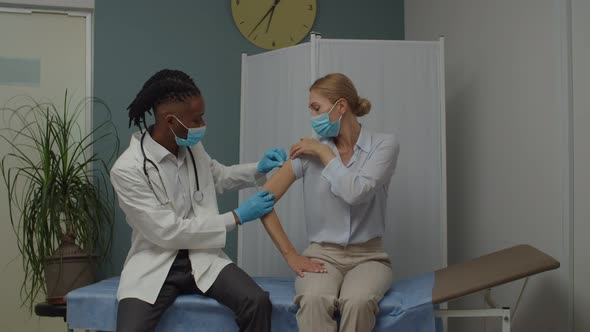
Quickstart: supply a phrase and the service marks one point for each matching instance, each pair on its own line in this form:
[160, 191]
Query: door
[41, 55]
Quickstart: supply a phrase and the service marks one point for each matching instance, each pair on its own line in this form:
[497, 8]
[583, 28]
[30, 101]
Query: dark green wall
[134, 39]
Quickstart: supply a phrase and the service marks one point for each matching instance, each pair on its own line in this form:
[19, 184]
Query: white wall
[507, 142]
[581, 97]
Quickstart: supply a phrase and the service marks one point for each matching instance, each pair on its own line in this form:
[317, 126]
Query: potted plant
[59, 197]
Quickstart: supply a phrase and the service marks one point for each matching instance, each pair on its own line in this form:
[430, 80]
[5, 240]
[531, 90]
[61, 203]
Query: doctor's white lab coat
[157, 231]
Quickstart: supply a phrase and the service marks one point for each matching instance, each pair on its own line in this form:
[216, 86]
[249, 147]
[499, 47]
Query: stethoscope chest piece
[198, 196]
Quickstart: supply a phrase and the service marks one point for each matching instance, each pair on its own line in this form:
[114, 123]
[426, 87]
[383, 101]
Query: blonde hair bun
[364, 106]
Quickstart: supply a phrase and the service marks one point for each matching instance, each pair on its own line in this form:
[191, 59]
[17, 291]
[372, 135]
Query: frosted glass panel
[20, 71]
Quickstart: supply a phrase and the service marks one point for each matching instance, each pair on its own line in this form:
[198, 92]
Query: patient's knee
[358, 303]
[316, 302]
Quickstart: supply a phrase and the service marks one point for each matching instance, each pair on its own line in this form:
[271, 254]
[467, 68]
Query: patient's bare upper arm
[280, 181]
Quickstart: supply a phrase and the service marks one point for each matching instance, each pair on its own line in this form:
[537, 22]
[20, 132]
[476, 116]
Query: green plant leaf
[56, 185]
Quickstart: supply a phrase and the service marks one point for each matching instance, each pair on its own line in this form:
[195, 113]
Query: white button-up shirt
[169, 218]
[346, 204]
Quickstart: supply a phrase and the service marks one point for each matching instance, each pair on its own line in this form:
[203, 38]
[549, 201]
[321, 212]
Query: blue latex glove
[272, 158]
[255, 207]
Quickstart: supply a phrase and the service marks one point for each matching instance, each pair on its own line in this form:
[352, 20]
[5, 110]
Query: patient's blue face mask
[322, 126]
[193, 136]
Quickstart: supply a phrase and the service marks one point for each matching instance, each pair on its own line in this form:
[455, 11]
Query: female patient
[346, 175]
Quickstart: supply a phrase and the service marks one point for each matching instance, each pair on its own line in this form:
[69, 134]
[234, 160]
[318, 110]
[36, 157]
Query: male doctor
[167, 185]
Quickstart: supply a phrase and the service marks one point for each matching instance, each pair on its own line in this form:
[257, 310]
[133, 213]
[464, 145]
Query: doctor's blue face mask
[322, 126]
[193, 136]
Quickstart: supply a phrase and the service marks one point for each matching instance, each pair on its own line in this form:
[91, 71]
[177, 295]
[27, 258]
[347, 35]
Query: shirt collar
[364, 140]
[159, 152]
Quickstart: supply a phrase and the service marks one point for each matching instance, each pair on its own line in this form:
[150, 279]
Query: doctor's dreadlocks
[165, 85]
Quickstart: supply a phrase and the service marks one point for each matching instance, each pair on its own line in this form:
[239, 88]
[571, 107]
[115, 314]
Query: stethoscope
[197, 195]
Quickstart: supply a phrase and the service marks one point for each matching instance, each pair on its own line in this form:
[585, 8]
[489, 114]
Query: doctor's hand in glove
[272, 158]
[255, 207]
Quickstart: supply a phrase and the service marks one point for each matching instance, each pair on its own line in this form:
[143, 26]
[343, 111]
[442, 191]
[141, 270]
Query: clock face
[273, 24]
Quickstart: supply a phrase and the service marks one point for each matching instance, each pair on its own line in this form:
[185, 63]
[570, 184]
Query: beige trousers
[358, 276]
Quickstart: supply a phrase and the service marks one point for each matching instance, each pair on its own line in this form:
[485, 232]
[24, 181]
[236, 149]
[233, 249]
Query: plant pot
[67, 269]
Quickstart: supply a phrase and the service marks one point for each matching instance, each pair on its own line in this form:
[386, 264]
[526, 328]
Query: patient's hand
[312, 147]
[300, 264]
[308, 146]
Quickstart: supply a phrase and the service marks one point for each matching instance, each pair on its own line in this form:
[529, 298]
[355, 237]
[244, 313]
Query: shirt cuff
[333, 169]
[259, 178]
[230, 222]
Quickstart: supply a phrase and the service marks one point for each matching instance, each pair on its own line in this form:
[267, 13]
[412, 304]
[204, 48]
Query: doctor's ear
[170, 120]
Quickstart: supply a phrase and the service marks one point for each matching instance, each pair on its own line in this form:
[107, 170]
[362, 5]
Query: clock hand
[271, 9]
[262, 19]
[271, 14]
[270, 18]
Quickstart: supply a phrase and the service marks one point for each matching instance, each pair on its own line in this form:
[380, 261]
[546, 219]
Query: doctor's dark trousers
[233, 288]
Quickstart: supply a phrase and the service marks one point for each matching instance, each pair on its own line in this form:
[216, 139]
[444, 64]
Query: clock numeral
[291, 37]
[237, 2]
[242, 22]
[274, 44]
[309, 8]
[255, 37]
[305, 25]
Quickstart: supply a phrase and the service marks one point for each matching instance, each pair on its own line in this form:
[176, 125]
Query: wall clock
[272, 24]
